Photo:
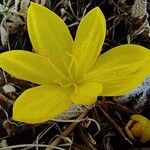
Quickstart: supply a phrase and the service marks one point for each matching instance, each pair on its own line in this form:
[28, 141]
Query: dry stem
[67, 131]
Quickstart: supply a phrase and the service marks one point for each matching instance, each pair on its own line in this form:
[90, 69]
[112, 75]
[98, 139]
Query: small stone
[138, 97]
[8, 88]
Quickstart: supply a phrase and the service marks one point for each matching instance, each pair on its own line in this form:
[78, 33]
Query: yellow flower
[70, 71]
[138, 128]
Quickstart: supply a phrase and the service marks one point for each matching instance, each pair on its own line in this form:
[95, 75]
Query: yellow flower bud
[138, 128]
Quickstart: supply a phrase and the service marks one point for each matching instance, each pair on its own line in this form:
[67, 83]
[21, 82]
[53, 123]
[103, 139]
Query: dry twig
[67, 131]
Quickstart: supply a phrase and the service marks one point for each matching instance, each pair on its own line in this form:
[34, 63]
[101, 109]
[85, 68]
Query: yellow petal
[40, 104]
[121, 69]
[89, 39]
[146, 134]
[138, 128]
[140, 119]
[49, 34]
[29, 66]
[86, 93]
[145, 127]
[128, 130]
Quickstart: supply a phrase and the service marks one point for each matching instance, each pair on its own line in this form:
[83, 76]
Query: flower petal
[89, 39]
[138, 127]
[39, 104]
[146, 134]
[49, 34]
[145, 127]
[29, 66]
[86, 93]
[121, 69]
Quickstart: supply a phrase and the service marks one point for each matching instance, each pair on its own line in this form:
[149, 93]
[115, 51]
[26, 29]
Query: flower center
[71, 72]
